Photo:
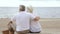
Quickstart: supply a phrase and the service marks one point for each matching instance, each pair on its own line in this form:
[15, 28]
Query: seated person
[35, 26]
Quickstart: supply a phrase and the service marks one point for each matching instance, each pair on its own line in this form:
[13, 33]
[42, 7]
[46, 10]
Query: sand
[49, 26]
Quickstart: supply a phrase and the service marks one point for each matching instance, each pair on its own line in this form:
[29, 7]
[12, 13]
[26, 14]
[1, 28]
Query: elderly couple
[26, 21]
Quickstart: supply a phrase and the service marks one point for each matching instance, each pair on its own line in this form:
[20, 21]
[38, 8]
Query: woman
[35, 26]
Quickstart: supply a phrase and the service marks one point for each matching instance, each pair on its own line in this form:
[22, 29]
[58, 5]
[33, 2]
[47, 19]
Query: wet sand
[49, 26]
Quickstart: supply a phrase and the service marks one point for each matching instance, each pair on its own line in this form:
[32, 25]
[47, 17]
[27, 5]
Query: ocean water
[43, 12]
[7, 12]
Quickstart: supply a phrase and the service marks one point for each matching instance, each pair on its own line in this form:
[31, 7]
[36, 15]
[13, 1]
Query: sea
[43, 12]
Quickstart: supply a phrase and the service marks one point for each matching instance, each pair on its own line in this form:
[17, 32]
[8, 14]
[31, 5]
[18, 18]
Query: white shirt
[23, 21]
[35, 26]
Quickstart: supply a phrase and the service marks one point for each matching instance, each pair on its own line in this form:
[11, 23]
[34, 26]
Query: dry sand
[49, 26]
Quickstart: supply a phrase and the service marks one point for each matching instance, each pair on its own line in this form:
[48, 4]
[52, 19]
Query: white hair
[30, 9]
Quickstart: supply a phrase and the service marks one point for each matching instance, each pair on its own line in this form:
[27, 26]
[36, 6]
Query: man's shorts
[23, 32]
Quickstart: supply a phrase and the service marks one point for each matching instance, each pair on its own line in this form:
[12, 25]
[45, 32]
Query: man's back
[22, 21]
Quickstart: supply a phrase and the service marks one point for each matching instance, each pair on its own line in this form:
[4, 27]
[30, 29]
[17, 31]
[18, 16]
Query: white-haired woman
[35, 26]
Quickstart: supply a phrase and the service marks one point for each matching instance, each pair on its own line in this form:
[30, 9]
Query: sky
[16, 3]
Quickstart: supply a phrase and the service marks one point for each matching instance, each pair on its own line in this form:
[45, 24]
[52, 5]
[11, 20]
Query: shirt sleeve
[32, 16]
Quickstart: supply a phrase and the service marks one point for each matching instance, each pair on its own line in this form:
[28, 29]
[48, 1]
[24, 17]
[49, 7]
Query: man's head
[21, 8]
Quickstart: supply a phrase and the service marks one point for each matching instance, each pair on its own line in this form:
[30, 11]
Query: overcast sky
[16, 3]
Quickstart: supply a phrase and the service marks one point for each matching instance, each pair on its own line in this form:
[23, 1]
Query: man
[23, 20]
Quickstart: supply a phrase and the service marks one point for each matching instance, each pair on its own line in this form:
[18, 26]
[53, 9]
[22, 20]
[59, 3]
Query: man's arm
[35, 18]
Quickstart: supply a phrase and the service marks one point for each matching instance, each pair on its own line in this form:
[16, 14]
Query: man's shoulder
[29, 13]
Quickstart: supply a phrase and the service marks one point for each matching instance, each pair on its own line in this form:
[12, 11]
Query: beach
[49, 25]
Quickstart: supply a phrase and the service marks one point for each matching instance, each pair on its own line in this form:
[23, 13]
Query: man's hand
[37, 18]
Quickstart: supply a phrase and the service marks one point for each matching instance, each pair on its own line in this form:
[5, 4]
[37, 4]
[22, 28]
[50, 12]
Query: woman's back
[35, 26]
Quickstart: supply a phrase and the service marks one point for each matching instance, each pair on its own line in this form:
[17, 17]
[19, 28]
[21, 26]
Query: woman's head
[30, 9]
